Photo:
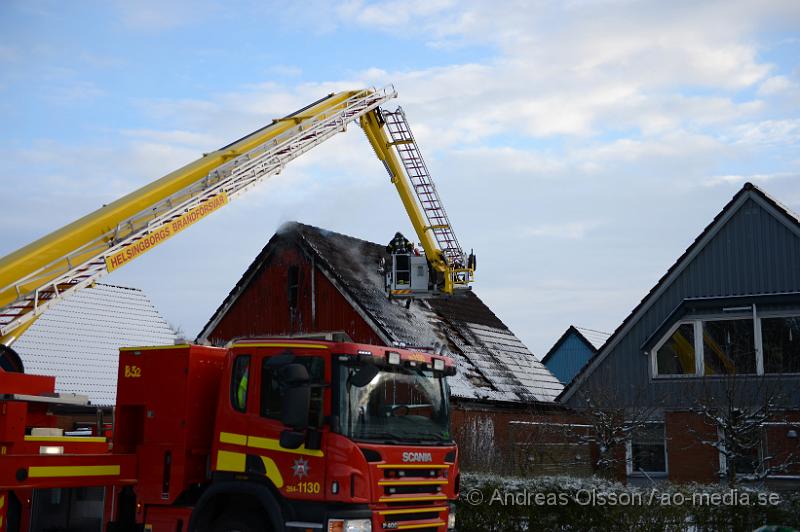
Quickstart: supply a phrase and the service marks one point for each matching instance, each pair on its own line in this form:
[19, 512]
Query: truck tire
[10, 360]
[245, 521]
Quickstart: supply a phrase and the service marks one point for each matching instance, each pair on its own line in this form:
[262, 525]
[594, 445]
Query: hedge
[507, 504]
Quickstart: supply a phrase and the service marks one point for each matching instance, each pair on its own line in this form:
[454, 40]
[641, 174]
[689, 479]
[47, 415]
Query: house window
[743, 455]
[676, 355]
[729, 347]
[781, 342]
[747, 462]
[293, 282]
[648, 450]
[754, 344]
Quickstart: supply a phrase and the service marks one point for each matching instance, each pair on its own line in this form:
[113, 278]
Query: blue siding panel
[569, 358]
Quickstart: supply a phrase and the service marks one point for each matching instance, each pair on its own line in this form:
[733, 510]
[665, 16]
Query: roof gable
[571, 331]
[748, 196]
[492, 362]
[78, 339]
[570, 352]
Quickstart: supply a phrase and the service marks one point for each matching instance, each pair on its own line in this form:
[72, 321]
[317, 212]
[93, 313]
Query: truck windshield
[396, 405]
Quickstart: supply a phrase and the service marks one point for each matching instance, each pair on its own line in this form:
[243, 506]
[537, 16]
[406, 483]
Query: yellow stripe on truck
[271, 444]
[413, 510]
[413, 499]
[272, 471]
[421, 525]
[268, 444]
[73, 471]
[228, 461]
[235, 439]
[273, 344]
[68, 439]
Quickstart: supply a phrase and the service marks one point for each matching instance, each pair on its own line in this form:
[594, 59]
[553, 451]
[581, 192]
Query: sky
[579, 146]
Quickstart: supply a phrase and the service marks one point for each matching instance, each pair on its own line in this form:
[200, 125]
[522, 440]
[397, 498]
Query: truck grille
[432, 518]
[406, 484]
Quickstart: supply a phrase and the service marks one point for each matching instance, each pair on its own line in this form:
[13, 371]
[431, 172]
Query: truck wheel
[240, 522]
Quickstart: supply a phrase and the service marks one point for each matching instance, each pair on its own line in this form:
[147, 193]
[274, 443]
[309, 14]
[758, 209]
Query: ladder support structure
[27, 296]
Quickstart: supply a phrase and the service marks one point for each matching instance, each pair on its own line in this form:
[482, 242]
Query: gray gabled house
[713, 346]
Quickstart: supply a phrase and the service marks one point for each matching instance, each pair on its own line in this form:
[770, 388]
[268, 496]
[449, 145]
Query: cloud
[70, 92]
[735, 179]
[157, 16]
[286, 71]
[576, 230]
[776, 84]
[768, 132]
[178, 137]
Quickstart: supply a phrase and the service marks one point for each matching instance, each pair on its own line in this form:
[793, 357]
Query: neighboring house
[308, 279]
[712, 349]
[572, 351]
[78, 339]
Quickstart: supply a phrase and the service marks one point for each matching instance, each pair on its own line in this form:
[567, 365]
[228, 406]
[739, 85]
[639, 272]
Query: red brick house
[310, 280]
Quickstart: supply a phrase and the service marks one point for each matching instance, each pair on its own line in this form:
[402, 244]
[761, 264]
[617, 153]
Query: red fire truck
[264, 434]
[279, 434]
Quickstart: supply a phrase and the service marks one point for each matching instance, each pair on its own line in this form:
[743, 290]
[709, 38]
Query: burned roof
[493, 364]
[78, 339]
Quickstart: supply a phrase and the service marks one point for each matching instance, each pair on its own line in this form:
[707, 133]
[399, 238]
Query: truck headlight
[451, 518]
[349, 525]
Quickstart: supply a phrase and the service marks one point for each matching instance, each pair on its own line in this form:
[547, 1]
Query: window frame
[232, 391]
[761, 450]
[697, 322]
[629, 456]
[293, 287]
[767, 315]
[265, 389]
[698, 332]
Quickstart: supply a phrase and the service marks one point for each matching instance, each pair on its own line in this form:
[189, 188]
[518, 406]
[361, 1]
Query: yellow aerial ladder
[73, 257]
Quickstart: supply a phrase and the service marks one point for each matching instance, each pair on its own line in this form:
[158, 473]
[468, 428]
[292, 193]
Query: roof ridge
[591, 330]
[322, 231]
[780, 205]
[118, 286]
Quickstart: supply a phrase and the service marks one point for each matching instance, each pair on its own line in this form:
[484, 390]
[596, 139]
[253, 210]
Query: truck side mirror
[296, 397]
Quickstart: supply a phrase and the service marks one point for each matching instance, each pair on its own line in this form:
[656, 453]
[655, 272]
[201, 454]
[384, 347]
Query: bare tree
[736, 411]
[612, 423]
[597, 431]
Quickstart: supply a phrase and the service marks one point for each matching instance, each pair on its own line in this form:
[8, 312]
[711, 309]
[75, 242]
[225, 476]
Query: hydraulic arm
[390, 136]
[75, 256]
